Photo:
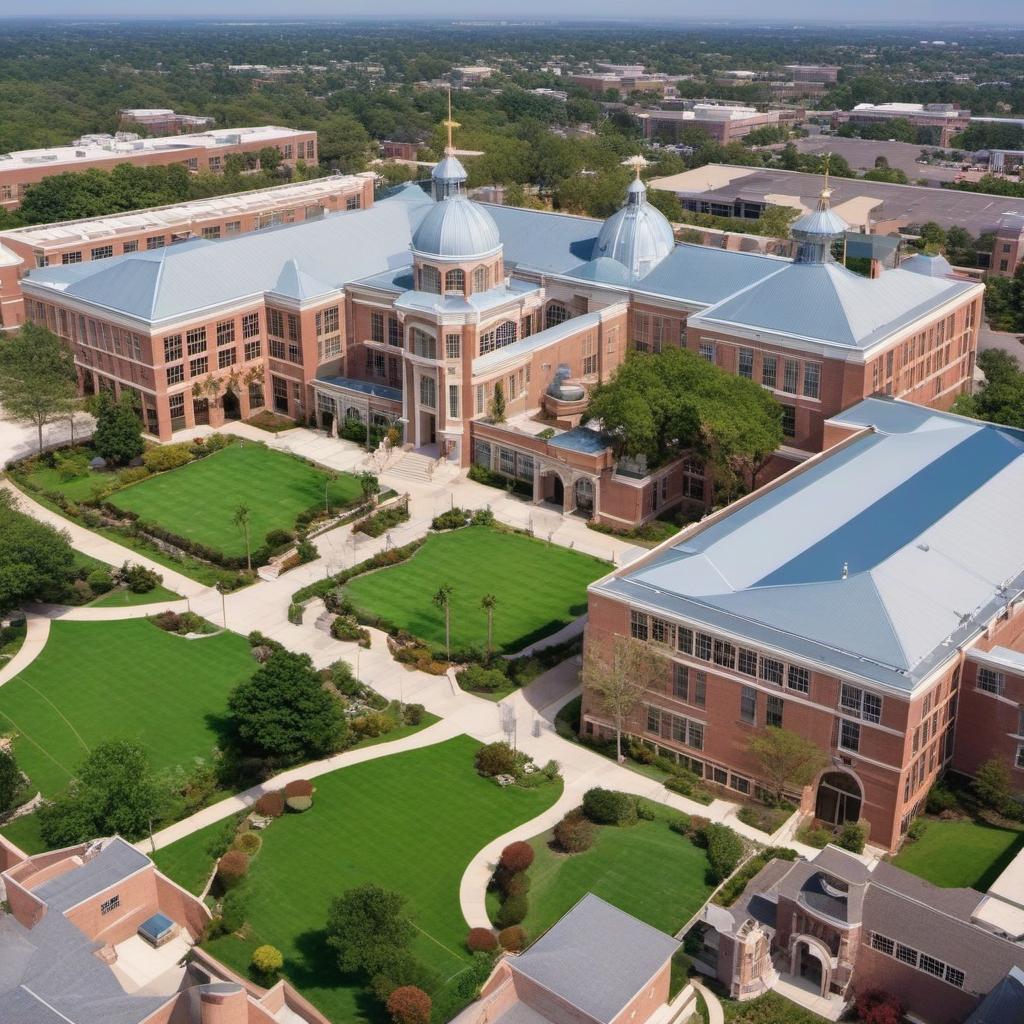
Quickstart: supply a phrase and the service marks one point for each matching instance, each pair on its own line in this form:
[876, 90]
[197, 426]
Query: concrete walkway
[37, 632]
[716, 1015]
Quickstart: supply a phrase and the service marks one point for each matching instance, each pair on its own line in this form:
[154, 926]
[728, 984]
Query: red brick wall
[139, 901]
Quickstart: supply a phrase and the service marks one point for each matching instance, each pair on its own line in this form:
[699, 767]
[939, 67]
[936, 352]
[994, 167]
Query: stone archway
[811, 961]
[584, 496]
[838, 799]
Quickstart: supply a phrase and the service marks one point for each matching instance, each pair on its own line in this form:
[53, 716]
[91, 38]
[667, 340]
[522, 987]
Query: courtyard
[539, 587]
[409, 822]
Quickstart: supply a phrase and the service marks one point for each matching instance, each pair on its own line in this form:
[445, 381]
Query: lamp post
[223, 604]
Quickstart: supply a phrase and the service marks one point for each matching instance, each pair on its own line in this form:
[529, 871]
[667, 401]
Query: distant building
[472, 74]
[723, 123]
[1008, 251]
[813, 72]
[162, 121]
[203, 152]
[94, 933]
[625, 78]
[946, 118]
[1006, 161]
[391, 150]
[554, 94]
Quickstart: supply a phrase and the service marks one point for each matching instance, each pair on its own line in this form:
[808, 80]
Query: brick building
[945, 119]
[162, 120]
[869, 600]
[95, 934]
[722, 122]
[202, 152]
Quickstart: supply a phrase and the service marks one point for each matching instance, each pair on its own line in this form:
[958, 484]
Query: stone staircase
[415, 468]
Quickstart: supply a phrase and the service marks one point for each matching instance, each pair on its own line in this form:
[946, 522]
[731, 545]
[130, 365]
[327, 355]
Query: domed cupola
[638, 235]
[815, 232]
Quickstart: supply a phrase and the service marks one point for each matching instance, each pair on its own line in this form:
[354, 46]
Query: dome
[816, 231]
[456, 228]
[449, 169]
[930, 266]
[638, 236]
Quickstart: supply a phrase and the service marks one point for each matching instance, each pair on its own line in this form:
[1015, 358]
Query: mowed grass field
[199, 500]
[539, 587]
[410, 822]
[644, 869]
[124, 679]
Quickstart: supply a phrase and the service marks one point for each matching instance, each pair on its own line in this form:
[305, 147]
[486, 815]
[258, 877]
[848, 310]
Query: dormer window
[455, 282]
[480, 279]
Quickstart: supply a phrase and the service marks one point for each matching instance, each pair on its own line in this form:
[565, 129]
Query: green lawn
[199, 500]
[645, 869]
[409, 822]
[121, 597]
[540, 588]
[76, 489]
[122, 679]
[964, 853]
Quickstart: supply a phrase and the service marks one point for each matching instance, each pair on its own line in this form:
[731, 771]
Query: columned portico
[560, 484]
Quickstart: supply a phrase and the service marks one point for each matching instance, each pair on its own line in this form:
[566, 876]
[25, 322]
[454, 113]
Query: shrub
[681, 824]
[516, 857]
[298, 795]
[167, 456]
[295, 612]
[132, 475]
[267, 960]
[609, 807]
[214, 442]
[481, 940]
[307, 551]
[476, 677]
[409, 1005]
[270, 805]
[941, 798]
[575, 833]
[372, 724]
[249, 843]
[724, 847]
[483, 517]
[877, 1007]
[917, 828]
[232, 868]
[991, 786]
[137, 578]
[512, 938]
[453, 519]
[168, 621]
[818, 837]
[495, 759]
[343, 627]
[298, 804]
[380, 522]
[517, 884]
[852, 836]
[413, 714]
[512, 910]
[278, 539]
[100, 581]
[645, 810]
[233, 912]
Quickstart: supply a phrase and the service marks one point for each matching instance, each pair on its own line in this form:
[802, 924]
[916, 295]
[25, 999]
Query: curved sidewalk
[37, 632]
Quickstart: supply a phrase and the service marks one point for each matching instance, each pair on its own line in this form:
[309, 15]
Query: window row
[687, 731]
[377, 329]
[778, 373]
[914, 958]
[283, 325]
[280, 350]
[651, 332]
[498, 337]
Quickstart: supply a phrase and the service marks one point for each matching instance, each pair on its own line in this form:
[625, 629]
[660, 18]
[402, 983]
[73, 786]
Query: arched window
[556, 313]
[480, 279]
[428, 392]
[502, 335]
[430, 280]
[455, 281]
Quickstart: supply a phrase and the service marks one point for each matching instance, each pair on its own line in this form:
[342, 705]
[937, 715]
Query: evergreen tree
[118, 434]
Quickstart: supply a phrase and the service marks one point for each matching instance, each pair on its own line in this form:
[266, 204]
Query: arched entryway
[839, 798]
[812, 964]
[232, 406]
[583, 493]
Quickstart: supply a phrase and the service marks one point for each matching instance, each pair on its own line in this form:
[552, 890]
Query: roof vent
[846, 570]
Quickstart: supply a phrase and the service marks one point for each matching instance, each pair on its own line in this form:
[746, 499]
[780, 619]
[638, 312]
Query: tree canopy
[368, 929]
[284, 713]
[36, 561]
[1001, 398]
[118, 433]
[787, 760]
[663, 405]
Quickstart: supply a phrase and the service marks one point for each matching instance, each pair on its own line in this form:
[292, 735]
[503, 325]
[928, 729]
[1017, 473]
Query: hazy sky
[920, 11]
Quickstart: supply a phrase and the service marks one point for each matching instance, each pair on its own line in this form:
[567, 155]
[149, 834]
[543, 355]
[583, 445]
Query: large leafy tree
[283, 712]
[666, 404]
[10, 781]
[369, 930]
[115, 790]
[1001, 398]
[787, 761]
[36, 561]
[118, 433]
[37, 378]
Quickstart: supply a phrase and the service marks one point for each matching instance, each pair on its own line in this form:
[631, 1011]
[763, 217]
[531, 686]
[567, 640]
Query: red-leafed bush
[513, 939]
[516, 857]
[232, 868]
[270, 805]
[409, 1005]
[481, 940]
[300, 787]
[877, 1007]
[575, 832]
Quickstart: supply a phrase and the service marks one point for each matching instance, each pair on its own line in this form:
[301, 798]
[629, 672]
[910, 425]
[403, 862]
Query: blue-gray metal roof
[1004, 1003]
[826, 302]
[551, 243]
[580, 439]
[363, 387]
[456, 228]
[637, 235]
[115, 862]
[875, 560]
[478, 302]
[596, 957]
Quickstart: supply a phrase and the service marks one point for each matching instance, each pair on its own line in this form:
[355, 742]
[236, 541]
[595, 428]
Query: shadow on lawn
[318, 968]
[1002, 862]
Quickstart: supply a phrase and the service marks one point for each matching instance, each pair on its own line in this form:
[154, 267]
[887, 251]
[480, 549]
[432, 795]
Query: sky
[904, 11]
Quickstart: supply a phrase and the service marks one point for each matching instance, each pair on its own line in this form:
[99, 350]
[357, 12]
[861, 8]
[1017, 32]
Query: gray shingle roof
[596, 957]
[922, 514]
[116, 861]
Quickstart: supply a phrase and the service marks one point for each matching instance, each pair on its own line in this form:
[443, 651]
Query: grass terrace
[199, 500]
[410, 822]
[127, 679]
[644, 869]
[539, 588]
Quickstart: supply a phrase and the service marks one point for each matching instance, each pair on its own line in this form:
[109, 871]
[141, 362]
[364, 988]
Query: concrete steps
[413, 467]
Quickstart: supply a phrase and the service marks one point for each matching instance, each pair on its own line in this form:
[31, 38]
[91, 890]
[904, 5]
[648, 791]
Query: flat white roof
[61, 155]
[907, 108]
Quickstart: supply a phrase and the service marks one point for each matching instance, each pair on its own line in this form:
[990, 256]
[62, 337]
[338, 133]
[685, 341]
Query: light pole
[223, 604]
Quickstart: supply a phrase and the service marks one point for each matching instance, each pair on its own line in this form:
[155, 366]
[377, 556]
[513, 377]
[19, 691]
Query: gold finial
[826, 190]
[450, 124]
[638, 163]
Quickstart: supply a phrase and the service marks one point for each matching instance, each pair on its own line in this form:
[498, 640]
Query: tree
[241, 520]
[118, 433]
[368, 929]
[36, 561]
[876, 1007]
[489, 602]
[37, 378]
[114, 791]
[409, 1005]
[775, 221]
[443, 599]
[498, 403]
[992, 786]
[344, 142]
[10, 781]
[787, 760]
[1001, 398]
[267, 960]
[369, 485]
[283, 713]
[618, 683]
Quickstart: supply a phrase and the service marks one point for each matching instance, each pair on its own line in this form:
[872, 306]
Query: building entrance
[839, 798]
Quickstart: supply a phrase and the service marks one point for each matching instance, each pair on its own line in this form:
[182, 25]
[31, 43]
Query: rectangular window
[295, 356]
[212, 232]
[812, 380]
[707, 351]
[197, 367]
[196, 339]
[790, 373]
[172, 347]
[227, 357]
[638, 625]
[684, 640]
[748, 704]
[849, 735]
[771, 671]
[661, 631]
[653, 719]
[700, 688]
[799, 679]
[747, 662]
[906, 955]
[453, 346]
[293, 327]
[768, 367]
[70, 257]
[990, 681]
[702, 648]
[681, 682]
[250, 325]
[883, 944]
[746, 363]
[130, 247]
[109, 905]
[695, 735]
[376, 326]
[872, 708]
[740, 784]
[507, 461]
[954, 977]
[275, 323]
[788, 421]
[277, 349]
[725, 654]
[102, 252]
[253, 350]
[453, 401]
[773, 712]
[175, 374]
[225, 332]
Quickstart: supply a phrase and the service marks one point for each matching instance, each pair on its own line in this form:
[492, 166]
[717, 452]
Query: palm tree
[488, 602]
[242, 522]
[443, 600]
